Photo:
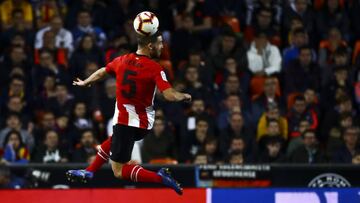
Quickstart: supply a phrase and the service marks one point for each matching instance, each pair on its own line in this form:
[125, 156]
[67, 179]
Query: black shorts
[123, 140]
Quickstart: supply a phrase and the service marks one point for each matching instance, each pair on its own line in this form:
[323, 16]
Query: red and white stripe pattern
[102, 153]
[130, 116]
[134, 173]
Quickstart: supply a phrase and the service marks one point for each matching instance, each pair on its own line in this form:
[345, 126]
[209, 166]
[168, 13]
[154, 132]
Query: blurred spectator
[13, 123]
[297, 141]
[96, 8]
[183, 33]
[341, 57]
[8, 180]
[84, 26]
[231, 67]
[264, 22]
[338, 87]
[15, 59]
[159, 144]
[310, 152]
[80, 120]
[227, 45]
[63, 37]
[211, 149]
[16, 105]
[17, 88]
[86, 148]
[299, 9]
[237, 153]
[255, 7]
[195, 87]
[229, 105]
[236, 158]
[18, 27]
[15, 151]
[298, 112]
[45, 10]
[265, 129]
[332, 15]
[86, 52]
[7, 7]
[267, 97]
[197, 10]
[302, 73]
[47, 89]
[107, 99]
[273, 151]
[349, 148]
[196, 59]
[335, 139]
[299, 38]
[60, 54]
[195, 139]
[62, 102]
[232, 86]
[88, 95]
[264, 58]
[200, 158]
[329, 45]
[236, 128]
[46, 122]
[48, 66]
[197, 110]
[118, 12]
[50, 151]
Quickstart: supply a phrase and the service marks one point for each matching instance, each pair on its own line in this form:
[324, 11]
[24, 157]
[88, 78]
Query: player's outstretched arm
[171, 94]
[97, 75]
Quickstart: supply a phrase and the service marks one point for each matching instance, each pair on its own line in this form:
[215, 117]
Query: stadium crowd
[271, 80]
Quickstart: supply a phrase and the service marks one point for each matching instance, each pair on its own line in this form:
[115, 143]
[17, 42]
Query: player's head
[153, 44]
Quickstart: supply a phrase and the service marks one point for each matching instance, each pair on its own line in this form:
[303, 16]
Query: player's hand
[187, 97]
[81, 83]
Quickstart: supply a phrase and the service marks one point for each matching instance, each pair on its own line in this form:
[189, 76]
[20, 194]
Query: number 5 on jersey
[131, 83]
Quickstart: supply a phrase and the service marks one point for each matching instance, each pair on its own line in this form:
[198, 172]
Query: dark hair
[299, 98]
[16, 11]
[83, 11]
[202, 118]
[145, 40]
[237, 138]
[17, 77]
[7, 137]
[85, 130]
[299, 31]
[308, 131]
[264, 9]
[341, 51]
[12, 114]
[305, 47]
[350, 128]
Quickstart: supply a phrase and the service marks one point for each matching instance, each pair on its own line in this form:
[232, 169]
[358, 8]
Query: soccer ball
[146, 23]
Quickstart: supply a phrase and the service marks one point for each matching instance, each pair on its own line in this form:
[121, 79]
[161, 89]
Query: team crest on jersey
[163, 76]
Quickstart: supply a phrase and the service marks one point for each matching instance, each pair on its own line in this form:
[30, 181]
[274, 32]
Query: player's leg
[122, 144]
[102, 157]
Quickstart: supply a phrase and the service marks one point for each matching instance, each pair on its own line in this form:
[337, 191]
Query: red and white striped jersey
[137, 77]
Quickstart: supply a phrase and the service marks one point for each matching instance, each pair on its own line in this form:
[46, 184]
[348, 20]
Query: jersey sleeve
[160, 78]
[111, 67]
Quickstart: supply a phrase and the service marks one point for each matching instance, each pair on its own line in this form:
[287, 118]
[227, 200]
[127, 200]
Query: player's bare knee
[117, 174]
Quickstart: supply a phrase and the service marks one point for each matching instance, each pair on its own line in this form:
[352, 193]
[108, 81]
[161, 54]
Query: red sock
[137, 173]
[101, 157]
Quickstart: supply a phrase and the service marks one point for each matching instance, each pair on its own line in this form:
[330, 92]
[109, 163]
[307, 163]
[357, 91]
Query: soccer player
[137, 78]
